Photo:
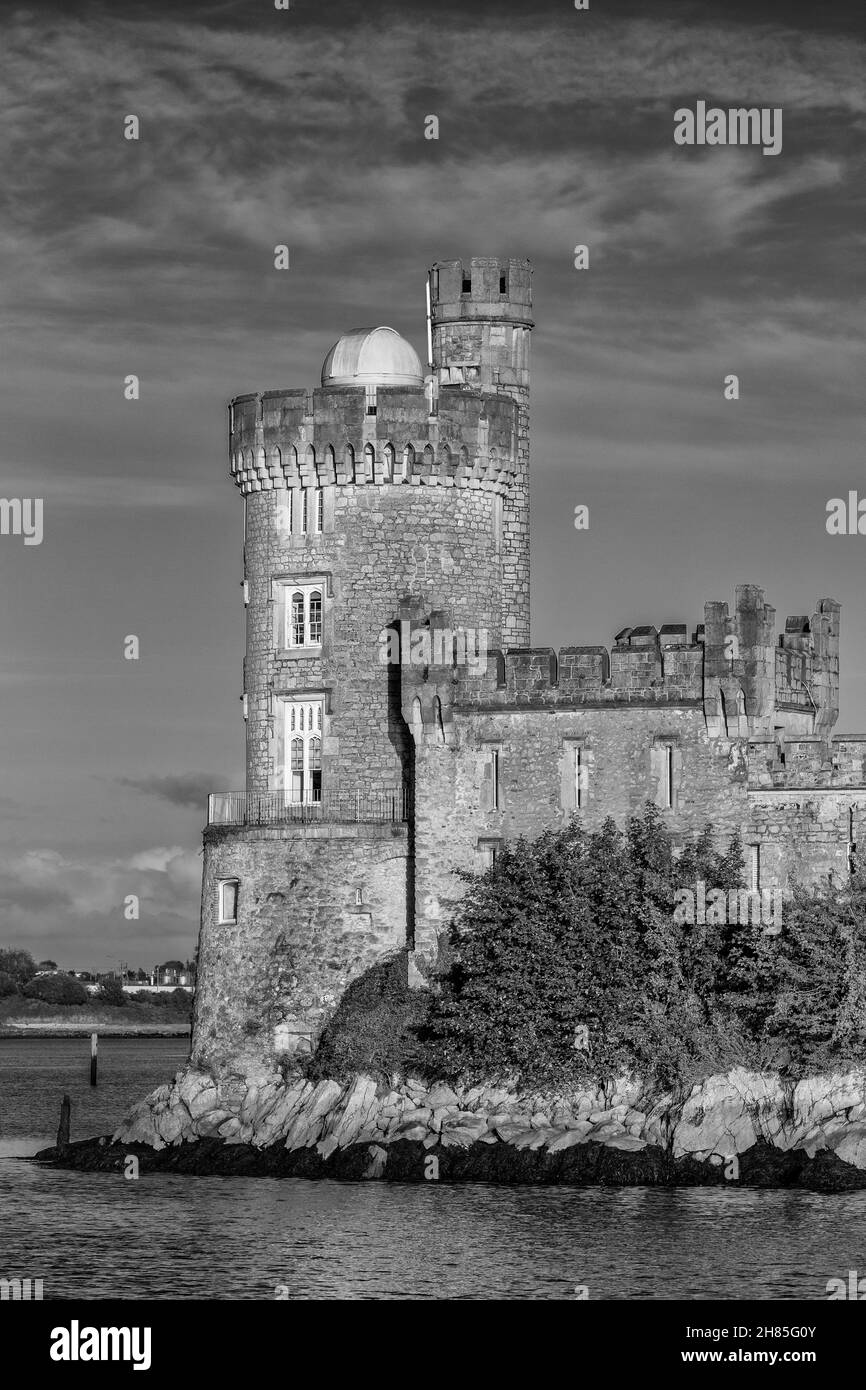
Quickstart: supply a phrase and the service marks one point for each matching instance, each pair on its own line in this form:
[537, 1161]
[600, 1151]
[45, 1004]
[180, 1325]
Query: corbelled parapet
[410, 435]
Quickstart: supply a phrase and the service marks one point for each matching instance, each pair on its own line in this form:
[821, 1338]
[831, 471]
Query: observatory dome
[372, 357]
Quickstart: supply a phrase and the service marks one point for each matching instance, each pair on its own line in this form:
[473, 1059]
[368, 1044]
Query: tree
[19, 964]
[576, 935]
[8, 984]
[112, 992]
[47, 965]
[56, 989]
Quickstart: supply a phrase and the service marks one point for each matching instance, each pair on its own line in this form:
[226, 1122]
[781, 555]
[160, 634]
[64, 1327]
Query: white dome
[372, 357]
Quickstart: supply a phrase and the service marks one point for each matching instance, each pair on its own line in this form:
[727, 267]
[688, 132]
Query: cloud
[183, 789]
[166, 880]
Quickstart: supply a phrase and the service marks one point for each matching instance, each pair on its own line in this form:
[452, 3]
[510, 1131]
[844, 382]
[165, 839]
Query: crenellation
[400, 725]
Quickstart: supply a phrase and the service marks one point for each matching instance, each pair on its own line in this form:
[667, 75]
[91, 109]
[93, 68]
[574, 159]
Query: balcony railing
[277, 808]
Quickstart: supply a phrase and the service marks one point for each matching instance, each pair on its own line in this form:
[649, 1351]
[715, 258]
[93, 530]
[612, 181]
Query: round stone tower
[379, 488]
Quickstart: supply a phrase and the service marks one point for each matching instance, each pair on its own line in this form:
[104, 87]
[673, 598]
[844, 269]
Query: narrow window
[669, 775]
[297, 620]
[467, 283]
[228, 900]
[370, 395]
[754, 868]
[579, 778]
[494, 778]
[297, 769]
[503, 284]
[314, 635]
[305, 492]
[315, 766]
[320, 511]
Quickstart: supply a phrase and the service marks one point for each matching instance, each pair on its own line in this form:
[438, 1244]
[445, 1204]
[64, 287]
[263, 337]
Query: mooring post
[63, 1130]
[94, 1042]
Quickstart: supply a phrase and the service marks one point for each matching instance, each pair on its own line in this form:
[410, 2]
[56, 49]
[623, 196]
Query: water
[164, 1236]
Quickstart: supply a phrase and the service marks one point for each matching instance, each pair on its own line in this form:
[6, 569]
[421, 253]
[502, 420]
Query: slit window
[754, 868]
[467, 284]
[227, 897]
[503, 284]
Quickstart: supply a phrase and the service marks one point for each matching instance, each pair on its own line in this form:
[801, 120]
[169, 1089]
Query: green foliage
[375, 1026]
[111, 992]
[56, 989]
[8, 984]
[19, 964]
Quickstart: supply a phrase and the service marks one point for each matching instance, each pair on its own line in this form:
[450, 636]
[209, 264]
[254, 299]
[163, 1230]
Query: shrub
[8, 984]
[111, 992]
[56, 989]
[375, 1027]
[575, 937]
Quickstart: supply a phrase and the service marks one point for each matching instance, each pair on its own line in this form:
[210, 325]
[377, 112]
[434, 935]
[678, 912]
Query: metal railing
[277, 808]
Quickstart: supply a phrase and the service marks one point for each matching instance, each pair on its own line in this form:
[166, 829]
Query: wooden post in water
[94, 1041]
[63, 1130]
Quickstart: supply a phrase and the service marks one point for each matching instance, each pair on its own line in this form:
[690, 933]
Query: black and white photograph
[433, 677]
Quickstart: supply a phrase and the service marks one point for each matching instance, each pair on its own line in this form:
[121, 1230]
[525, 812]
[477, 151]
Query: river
[96, 1236]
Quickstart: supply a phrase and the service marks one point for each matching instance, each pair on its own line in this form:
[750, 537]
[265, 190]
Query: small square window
[228, 899]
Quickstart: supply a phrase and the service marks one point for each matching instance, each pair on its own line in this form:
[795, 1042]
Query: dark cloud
[184, 789]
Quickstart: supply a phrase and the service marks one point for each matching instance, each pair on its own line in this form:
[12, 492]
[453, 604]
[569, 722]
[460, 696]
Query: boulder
[280, 1113]
[441, 1096]
[355, 1109]
[566, 1140]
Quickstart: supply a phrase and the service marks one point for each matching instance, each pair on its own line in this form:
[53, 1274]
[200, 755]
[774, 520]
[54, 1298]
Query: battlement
[374, 435]
[730, 665]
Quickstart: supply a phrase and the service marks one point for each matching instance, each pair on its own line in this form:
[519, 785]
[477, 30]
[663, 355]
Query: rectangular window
[370, 395]
[503, 284]
[665, 773]
[305, 492]
[303, 750]
[485, 854]
[303, 620]
[579, 778]
[227, 890]
[467, 284]
[754, 868]
[494, 778]
[319, 523]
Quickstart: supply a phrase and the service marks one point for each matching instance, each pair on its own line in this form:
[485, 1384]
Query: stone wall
[381, 543]
[537, 780]
[317, 906]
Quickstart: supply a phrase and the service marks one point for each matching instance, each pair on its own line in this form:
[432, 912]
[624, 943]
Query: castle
[399, 724]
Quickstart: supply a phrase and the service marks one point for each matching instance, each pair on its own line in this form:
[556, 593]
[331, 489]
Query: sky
[306, 127]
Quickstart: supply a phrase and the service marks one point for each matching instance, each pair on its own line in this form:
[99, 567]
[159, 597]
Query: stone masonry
[400, 726]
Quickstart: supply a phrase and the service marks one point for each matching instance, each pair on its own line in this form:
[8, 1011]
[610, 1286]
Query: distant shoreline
[105, 1030]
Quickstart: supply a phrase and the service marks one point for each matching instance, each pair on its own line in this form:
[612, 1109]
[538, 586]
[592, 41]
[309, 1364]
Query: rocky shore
[743, 1127]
